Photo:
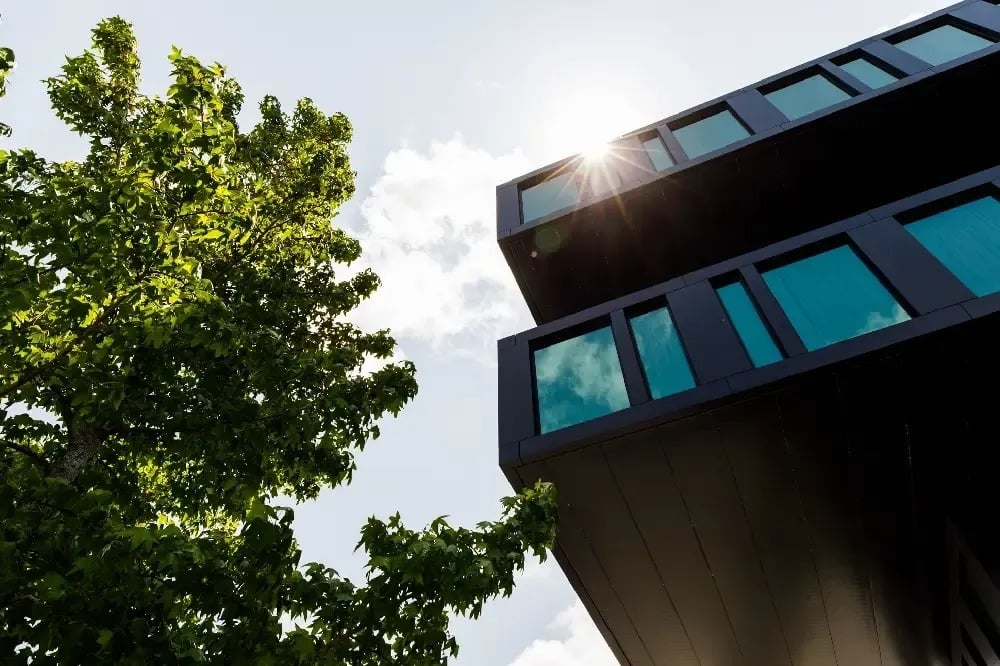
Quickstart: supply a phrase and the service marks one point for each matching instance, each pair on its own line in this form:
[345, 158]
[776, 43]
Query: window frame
[938, 22]
[860, 54]
[735, 278]
[651, 305]
[942, 205]
[833, 242]
[705, 113]
[655, 134]
[575, 331]
[800, 76]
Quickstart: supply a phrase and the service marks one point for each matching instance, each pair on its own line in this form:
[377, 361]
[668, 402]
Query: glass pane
[832, 297]
[658, 154]
[871, 75]
[661, 354]
[943, 44]
[578, 380]
[748, 324]
[966, 239]
[710, 134]
[806, 96]
[549, 196]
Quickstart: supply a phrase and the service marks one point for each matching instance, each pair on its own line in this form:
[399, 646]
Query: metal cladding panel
[609, 527]
[718, 516]
[754, 444]
[588, 576]
[824, 469]
[641, 469]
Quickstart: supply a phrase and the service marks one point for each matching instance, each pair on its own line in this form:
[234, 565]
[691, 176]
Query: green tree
[175, 353]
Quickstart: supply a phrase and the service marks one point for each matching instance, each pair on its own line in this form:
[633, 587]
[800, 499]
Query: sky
[449, 98]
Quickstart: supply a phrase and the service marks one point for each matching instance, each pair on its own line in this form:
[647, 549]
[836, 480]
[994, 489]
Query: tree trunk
[83, 445]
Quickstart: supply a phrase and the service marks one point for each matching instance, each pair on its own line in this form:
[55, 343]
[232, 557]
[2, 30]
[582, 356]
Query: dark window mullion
[628, 356]
[773, 315]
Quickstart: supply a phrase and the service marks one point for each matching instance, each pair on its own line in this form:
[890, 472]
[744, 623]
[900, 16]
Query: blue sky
[449, 98]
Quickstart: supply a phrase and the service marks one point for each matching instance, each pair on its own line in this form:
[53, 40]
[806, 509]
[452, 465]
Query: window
[549, 196]
[711, 133]
[658, 154]
[832, 296]
[661, 354]
[966, 239]
[578, 380]
[868, 73]
[748, 324]
[807, 96]
[943, 44]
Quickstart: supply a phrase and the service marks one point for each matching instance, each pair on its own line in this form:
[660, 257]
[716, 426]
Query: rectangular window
[661, 354]
[579, 379]
[868, 73]
[832, 296]
[749, 326]
[711, 133]
[943, 44]
[807, 96]
[657, 153]
[966, 239]
[550, 195]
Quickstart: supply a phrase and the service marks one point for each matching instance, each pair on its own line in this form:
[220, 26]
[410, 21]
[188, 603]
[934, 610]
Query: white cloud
[429, 231]
[581, 644]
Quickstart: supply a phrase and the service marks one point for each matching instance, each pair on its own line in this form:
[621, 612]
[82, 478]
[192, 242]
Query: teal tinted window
[806, 96]
[966, 239]
[578, 379]
[833, 296]
[943, 44]
[748, 324]
[710, 133]
[549, 196]
[868, 73]
[661, 353]
[658, 154]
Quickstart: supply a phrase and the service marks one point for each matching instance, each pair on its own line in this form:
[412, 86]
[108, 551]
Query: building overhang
[931, 126]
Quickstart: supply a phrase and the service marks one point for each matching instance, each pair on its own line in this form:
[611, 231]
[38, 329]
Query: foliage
[175, 353]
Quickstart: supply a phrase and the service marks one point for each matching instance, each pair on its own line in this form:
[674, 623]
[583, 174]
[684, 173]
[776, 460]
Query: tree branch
[35, 457]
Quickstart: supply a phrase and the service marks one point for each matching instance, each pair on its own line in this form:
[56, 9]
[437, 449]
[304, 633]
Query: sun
[584, 123]
[596, 152]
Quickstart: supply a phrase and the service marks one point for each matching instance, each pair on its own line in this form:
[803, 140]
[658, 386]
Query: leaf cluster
[176, 352]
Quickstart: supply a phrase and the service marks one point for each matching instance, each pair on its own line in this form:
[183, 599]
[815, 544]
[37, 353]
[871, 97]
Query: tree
[175, 353]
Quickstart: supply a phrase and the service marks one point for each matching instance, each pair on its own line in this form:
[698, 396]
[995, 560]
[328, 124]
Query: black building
[765, 372]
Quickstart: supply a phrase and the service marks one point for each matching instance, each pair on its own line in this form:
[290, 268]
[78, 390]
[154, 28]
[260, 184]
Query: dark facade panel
[609, 527]
[914, 272]
[901, 61]
[641, 470]
[590, 571]
[514, 391]
[759, 114]
[715, 350]
[983, 14]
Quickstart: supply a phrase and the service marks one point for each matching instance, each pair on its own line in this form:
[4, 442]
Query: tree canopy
[176, 353]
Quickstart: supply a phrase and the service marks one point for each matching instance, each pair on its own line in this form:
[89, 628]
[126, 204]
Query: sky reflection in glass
[966, 239]
[578, 380]
[661, 353]
[832, 296]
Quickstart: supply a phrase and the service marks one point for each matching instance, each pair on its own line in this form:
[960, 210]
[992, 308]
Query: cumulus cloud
[428, 229]
[580, 645]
